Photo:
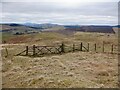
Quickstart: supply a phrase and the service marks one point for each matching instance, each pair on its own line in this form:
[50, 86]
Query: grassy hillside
[54, 37]
[74, 69]
[78, 69]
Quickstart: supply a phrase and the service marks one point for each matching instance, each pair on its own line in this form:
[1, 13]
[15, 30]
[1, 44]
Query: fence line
[44, 50]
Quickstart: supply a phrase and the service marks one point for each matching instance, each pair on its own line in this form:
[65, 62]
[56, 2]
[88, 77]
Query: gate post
[95, 47]
[81, 45]
[73, 47]
[112, 48]
[34, 50]
[26, 50]
[103, 47]
[88, 47]
[62, 48]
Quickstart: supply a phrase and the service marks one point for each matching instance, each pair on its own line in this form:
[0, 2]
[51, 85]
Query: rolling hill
[47, 27]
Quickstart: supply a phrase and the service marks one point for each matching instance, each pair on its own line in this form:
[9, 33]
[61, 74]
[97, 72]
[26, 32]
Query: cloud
[61, 12]
[60, 0]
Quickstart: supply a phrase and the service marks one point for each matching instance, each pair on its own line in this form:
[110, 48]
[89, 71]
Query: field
[74, 69]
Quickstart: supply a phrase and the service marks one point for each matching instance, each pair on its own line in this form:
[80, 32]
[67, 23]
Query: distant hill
[14, 24]
[16, 29]
[100, 29]
[40, 26]
[71, 26]
[117, 26]
[48, 27]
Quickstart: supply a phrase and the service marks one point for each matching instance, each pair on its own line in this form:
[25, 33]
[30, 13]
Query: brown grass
[78, 69]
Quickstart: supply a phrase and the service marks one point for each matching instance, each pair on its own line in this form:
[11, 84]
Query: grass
[74, 69]
[96, 37]
[79, 69]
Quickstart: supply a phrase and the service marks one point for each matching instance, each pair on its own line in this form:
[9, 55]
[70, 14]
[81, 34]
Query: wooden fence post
[81, 45]
[95, 47]
[88, 47]
[62, 48]
[112, 48]
[26, 50]
[103, 47]
[34, 50]
[73, 47]
[6, 52]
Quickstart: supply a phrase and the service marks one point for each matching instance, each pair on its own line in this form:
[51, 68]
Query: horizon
[58, 24]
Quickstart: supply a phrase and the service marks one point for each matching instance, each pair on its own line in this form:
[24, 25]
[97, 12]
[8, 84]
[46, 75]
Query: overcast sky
[96, 12]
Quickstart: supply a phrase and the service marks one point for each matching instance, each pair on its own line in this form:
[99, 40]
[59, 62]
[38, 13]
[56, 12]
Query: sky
[68, 12]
